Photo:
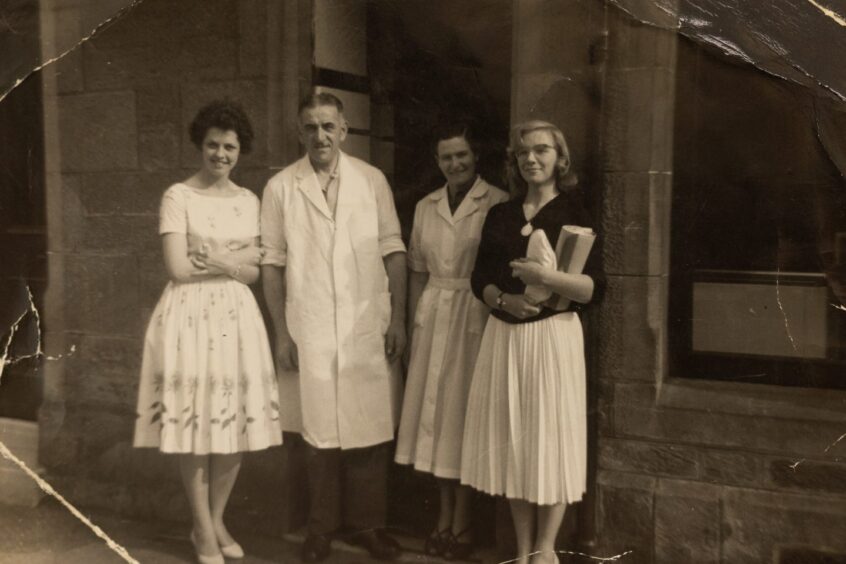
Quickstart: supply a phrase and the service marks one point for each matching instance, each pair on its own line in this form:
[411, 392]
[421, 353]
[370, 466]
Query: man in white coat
[334, 279]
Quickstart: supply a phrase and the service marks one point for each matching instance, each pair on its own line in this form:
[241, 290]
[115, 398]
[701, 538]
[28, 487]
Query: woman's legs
[447, 496]
[549, 522]
[523, 515]
[195, 478]
[224, 471]
[461, 512]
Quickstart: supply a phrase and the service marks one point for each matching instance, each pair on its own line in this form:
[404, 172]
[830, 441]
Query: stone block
[252, 42]
[687, 523]
[152, 279]
[636, 223]
[65, 35]
[648, 458]
[154, 22]
[100, 292]
[157, 102]
[633, 44]
[107, 193]
[712, 428]
[98, 132]
[104, 371]
[177, 58]
[757, 523]
[21, 438]
[95, 14]
[60, 452]
[121, 234]
[252, 95]
[731, 468]
[808, 475]
[632, 325]
[626, 515]
[17, 489]
[69, 78]
[158, 147]
[637, 120]
[539, 44]
[120, 193]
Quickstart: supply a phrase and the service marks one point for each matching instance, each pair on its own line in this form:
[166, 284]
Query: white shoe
[205, 558]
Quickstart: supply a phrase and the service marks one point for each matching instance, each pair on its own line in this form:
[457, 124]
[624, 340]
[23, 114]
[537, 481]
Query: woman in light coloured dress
[447, 328]
[525, 433]
[208, 387]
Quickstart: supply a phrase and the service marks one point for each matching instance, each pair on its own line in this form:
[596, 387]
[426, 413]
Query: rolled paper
[572, 250]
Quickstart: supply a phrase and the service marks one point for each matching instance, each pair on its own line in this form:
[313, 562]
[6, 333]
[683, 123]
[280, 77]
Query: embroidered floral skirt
[208, 384]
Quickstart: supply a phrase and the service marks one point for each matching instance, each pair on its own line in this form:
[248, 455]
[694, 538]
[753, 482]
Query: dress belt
[449, 283]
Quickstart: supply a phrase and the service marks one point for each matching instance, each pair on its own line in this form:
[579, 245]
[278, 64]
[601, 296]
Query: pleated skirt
[525, 434]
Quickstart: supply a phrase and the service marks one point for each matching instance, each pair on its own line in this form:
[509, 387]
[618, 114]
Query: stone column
[636, 178]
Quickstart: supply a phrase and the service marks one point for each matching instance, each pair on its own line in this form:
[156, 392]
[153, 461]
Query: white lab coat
[337, 302]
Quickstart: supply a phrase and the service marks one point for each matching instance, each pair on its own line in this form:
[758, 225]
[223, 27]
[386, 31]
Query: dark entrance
[448, 61]
[23, 261]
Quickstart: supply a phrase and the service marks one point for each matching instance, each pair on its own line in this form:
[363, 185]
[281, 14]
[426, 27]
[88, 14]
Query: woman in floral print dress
[208, 388]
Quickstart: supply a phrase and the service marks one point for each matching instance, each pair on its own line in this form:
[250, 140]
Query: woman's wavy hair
[565, 179]
[226, 115]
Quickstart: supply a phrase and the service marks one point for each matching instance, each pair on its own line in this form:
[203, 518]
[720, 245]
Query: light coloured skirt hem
[530, 499]
[251, 448]
[525, 434]
[426, 468]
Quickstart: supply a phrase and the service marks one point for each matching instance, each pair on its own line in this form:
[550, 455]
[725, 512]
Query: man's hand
[395, 340]
[286, 353]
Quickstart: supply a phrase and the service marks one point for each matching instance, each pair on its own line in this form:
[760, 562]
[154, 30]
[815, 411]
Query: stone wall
[689, 471]
[116, 114]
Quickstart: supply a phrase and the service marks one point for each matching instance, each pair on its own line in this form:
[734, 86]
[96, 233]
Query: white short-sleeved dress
[448, 326]
[208, 384]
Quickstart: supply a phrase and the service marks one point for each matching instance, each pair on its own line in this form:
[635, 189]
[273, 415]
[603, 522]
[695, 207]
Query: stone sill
[737, 398]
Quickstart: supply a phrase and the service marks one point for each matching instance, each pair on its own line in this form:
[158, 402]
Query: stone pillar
[636, 179]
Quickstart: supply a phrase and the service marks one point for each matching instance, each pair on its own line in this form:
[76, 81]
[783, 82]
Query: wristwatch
[500, 303]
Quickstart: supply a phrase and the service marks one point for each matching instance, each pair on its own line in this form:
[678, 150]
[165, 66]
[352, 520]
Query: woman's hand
[518, 306]
[213, 262]
[529, 271]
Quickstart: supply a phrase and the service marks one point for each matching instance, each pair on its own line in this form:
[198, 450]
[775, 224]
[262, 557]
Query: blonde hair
[565, 179]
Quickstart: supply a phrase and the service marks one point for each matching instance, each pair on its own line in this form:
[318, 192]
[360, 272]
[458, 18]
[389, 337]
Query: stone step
[18, 489]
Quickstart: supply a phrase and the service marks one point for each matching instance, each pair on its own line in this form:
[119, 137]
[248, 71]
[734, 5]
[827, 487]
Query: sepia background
[710, 140]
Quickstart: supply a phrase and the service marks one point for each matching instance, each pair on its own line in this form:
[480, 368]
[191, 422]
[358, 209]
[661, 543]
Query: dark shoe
[316, 548]
[436, 542]
[460, 546]
[378, 544]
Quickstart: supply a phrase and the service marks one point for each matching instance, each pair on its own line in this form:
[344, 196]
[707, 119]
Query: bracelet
[236, 273]
[500, 303]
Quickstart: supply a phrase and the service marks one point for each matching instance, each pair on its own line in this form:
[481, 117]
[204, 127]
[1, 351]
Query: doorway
[450, 61]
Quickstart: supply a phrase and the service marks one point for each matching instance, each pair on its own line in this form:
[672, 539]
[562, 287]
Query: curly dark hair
[226, 115]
